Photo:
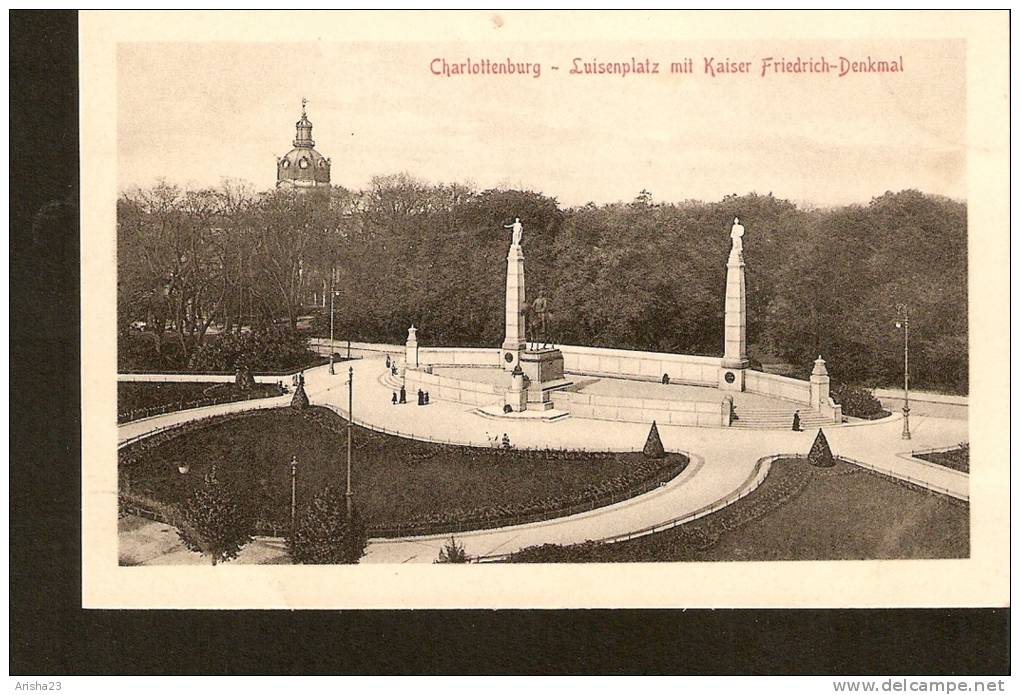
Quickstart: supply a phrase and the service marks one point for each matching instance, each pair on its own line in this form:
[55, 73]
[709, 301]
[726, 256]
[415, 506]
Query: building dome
[303, 167]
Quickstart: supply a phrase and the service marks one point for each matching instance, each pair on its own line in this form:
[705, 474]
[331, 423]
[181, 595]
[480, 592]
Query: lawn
[144, 395]
[801, 513]
[958, 459]
[396, 481]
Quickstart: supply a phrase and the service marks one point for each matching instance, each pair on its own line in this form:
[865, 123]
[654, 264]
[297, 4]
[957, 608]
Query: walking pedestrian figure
[426, 398]
[387, 361]
[403, 394]
[421, 397]
[796, 421]
[394, 398]
[506, 441]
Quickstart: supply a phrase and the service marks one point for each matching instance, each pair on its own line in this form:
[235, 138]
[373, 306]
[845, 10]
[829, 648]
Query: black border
[51, 634]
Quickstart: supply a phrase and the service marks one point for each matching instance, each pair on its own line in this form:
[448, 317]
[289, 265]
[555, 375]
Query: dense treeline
[640, 275]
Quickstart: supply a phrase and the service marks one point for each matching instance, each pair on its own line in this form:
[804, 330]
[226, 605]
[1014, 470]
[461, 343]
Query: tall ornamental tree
[323, 535]
[212, 521]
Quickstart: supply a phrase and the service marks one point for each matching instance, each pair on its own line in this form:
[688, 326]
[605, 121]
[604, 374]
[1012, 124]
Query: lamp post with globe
[904, 322]
[332, 295]
[293, 491]
[350, 425]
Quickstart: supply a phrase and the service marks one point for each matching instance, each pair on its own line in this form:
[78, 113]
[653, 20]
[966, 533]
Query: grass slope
[801, 513]
[394, 479]
[137, 395]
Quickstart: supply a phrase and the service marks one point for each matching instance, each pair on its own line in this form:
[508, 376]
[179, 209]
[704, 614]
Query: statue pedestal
[544, 369]
[734, 362]
[513, 342]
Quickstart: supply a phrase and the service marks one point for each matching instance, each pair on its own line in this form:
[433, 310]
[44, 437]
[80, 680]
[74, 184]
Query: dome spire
[304, 128]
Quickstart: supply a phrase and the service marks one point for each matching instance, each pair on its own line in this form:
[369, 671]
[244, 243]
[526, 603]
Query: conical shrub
[653, 445]
[820, 454]
[300, 399]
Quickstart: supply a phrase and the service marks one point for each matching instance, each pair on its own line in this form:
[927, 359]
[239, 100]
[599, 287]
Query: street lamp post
[293, 491]
[350, 431]
[332, 294]
[904, 323]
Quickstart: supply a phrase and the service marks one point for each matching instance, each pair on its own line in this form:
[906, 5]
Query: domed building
[303, 168]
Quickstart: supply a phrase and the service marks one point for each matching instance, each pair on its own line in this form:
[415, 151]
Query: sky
[196, 113]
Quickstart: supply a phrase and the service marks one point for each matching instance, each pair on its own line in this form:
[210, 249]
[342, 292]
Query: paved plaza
[630, 388]
[723, 459]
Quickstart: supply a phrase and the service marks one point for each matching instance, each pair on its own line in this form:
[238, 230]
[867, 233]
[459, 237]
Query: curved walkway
[723, 459]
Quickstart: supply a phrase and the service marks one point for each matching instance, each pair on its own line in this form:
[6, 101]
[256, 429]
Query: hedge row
[271, 391]
[644, 476]
[781, 485]
[130, 453]
[419, 452]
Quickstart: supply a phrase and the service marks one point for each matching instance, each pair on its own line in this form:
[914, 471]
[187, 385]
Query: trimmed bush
[453, 553]
[244, 379]
[300, 399]
[653, 445]
[820, 454]
[213, 523]
[323, 535]
[858, 402]
[259, 351]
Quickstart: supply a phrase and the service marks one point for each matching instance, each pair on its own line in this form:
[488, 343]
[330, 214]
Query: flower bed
[644, 477]
[957, 458]
[799, 512]
[137, 400]
[401, 486]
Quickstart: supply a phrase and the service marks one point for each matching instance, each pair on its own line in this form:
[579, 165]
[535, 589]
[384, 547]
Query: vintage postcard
[612, 309]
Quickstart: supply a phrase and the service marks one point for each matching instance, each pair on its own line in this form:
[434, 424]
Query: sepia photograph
[502, 296]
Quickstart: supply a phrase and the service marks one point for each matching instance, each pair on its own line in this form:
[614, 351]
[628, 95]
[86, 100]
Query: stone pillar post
[820, 401]
[411, 348]
[819, 385]
[513, 343]
[734, 362]
[517, 395]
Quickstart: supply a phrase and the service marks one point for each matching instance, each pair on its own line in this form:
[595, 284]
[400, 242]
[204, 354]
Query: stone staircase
[391, 381]
[778, 419]
[744, 418]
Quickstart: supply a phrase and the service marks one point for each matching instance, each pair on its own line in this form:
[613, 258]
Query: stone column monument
[734, 362]
[513, 343]
[411, 348]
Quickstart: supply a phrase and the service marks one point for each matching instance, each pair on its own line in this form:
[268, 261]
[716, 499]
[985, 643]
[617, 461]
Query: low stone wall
[641, 366]
[924, 397]
[459, 357]
[201, 378]
[621, 409]
[358, 349]
[925, 403]
[450, 389]
[777, 386]
[637, 365]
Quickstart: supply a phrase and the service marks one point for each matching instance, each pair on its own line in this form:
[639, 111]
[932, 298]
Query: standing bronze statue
[539, 321]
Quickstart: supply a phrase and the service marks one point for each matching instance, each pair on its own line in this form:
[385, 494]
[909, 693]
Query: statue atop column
[737, 235]
[734, 362]
[518, 231]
